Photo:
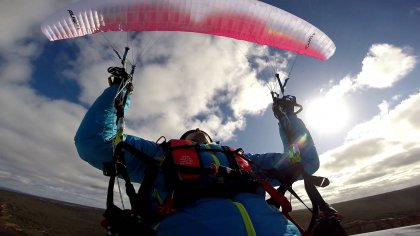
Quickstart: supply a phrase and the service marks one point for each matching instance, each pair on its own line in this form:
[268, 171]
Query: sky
[361, 105]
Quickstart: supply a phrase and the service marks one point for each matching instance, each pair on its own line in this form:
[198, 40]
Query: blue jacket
[244, 214]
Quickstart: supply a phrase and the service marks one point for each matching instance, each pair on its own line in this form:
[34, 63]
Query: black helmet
[185, 135]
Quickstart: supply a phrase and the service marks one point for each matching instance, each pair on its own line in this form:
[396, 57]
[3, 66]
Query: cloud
[415, 11]
[37, 143]
[38, 155]
[391, 123]
[185, 81]
[384, 65]
[21, 40]
[20, 21]
[378, 152]
[382, 152]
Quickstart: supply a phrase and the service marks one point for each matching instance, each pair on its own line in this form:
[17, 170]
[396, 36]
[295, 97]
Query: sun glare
[326, 115]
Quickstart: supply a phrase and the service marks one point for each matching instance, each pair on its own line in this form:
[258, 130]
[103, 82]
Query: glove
[118, 75]
[285, 106]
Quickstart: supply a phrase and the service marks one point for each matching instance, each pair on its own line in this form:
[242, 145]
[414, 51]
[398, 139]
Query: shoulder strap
[118, 221]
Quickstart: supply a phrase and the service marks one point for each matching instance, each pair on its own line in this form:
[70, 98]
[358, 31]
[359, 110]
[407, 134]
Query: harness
[189, 176]
[198, 171]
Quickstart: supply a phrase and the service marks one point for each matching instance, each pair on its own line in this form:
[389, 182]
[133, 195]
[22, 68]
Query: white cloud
[16, 67]
[37, 147]
[37, 141]
[382, 152]
[337, 91]
[390, 122]
[378, 152]
[384, 65]
[21, 20]
[21, 38]
[185, 81]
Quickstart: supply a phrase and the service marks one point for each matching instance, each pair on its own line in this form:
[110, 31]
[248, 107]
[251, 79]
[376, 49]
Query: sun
[326, 115]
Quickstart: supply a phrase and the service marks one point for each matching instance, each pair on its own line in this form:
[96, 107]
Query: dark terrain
[22, 214]
[385, 211]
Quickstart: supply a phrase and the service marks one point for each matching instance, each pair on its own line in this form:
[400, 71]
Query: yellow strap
[216, 162]
[250, 231]
[119, 137]
[156, 196]
[215, 159]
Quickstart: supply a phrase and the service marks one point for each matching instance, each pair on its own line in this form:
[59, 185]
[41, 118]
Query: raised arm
[295, 137]
[94, 138]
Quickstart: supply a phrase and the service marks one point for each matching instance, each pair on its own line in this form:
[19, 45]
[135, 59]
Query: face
[198, 137]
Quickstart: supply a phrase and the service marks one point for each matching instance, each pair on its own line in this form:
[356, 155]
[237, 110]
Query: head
[197, 135]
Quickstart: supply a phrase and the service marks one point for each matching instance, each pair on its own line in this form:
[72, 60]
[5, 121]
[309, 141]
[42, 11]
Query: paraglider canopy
[248, 20]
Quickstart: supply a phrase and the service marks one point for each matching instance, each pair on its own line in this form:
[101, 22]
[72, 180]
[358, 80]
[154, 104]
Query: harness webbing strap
[278, 197]
[249, 227]
[216, 163]
[281, 200]
[213, 156]
[137, 153]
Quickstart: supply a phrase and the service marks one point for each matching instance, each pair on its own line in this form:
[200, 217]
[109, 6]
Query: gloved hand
[118, 75]
[285, 106]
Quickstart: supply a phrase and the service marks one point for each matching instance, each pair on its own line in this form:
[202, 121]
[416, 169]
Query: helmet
[197, 130]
